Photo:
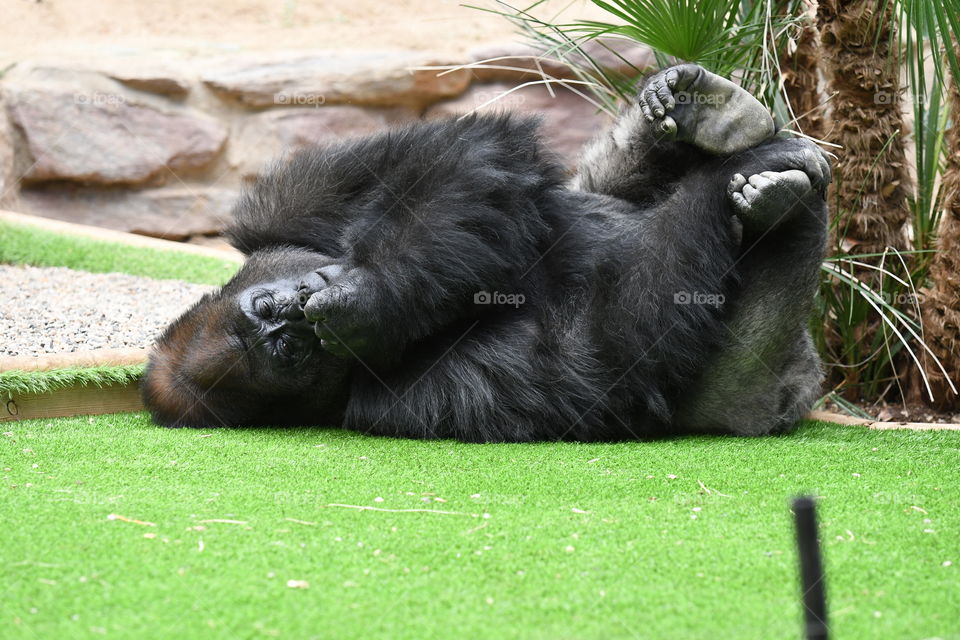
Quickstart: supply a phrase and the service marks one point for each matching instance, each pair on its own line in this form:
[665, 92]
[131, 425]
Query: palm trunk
[941, 304]
[799, 70]
[871, 175]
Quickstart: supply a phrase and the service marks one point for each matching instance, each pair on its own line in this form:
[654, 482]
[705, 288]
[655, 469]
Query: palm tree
[799, 70]
[941, 305]
[859, 55]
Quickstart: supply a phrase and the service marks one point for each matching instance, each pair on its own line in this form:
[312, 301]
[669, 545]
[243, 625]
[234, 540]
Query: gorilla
[446, 280]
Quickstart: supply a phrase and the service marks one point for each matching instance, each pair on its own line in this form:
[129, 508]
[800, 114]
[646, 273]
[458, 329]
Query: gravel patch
[58, 310]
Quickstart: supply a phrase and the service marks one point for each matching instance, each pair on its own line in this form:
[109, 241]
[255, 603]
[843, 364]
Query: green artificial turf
[23, 244]
[44, 381]
[686, 538]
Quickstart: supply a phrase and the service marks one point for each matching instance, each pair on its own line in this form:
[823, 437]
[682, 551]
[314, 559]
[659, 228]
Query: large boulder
[259, 138]
[172, 213]
[380, 78]
[8, 179]
[84, 127]
[569, 120]
[154, 77]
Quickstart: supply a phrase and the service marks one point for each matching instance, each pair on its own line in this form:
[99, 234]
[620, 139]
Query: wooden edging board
[73, 400]
[77, 400]
[837, 418]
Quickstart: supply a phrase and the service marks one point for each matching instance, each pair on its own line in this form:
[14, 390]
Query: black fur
[596, 342]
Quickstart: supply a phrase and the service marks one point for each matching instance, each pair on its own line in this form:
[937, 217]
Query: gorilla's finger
[645, 109]
[317, 280]
[653, 101]
[750, 193]
[325, 303]
[687, 75]
[733, 192]
[667, 127]
[672, 76]
[665, 95]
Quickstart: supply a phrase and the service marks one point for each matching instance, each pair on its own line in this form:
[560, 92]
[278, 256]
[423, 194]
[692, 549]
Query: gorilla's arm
[416, 222]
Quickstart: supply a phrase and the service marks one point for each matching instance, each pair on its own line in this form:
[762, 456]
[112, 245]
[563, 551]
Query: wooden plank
[826, 416]
[914, 426]
[838, 418]
[82, 359]
[110, 235]
[75, 400]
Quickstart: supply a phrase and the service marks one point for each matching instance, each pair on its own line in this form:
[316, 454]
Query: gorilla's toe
[766, 196]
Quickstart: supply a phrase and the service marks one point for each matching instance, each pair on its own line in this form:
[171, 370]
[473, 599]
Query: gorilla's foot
[332, 299]
[764, 198]
[784, 154]
[689, 104]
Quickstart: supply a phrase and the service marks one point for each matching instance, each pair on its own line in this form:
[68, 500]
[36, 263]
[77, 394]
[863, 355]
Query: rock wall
[161, 147]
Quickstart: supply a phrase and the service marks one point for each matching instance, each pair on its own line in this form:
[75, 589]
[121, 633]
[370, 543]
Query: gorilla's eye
[284, 347]
[263, 308]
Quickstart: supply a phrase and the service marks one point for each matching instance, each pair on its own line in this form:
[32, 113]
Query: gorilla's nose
[294, 310]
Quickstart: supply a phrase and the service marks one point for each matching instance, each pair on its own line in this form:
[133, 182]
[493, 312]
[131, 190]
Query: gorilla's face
[271, 326]
[246, 354]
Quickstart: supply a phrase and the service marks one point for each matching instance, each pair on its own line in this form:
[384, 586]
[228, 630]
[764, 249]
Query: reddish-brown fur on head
[196, 374]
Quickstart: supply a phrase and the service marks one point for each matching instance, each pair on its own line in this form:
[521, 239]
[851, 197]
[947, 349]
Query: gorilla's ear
[195, 375]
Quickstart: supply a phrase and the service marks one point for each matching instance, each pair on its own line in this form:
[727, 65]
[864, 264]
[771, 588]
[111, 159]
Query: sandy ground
[34, 28]
[56, 310]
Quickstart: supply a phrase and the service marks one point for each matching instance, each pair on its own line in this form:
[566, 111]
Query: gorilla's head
[245, 354]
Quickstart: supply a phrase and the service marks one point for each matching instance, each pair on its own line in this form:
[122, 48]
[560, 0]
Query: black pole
[811, 569]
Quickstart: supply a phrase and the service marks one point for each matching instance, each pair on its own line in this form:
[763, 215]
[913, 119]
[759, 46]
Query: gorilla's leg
[765, 375]
[683, 115]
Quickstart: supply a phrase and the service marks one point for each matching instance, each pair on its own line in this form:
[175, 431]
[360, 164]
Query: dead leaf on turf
[115, 516]
[310, 524]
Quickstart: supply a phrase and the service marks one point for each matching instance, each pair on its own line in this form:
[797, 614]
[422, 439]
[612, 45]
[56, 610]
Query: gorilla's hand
[690, 104]
[334, 299]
